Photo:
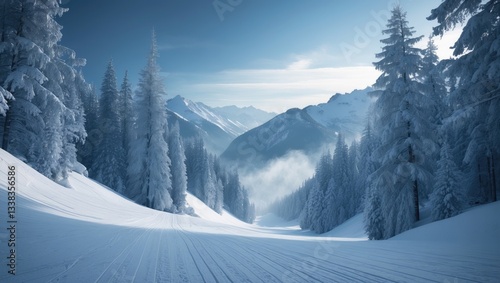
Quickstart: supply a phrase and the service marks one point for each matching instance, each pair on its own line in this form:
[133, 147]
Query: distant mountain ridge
[307, 130]
[218, 126]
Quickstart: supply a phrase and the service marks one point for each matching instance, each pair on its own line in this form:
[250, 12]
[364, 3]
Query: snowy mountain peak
[343, 112]
[307, 130]
[219, 123]
[334, 97]
[179, 101]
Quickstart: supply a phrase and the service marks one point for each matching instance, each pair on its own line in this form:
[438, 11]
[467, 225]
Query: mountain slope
[307, 130]
[247, 117]
[89, 233]
[292, 130]
[214, 138]
[217, 126]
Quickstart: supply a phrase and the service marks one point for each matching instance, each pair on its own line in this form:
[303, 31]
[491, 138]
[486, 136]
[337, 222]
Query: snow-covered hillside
[220, 125]
[88, 233]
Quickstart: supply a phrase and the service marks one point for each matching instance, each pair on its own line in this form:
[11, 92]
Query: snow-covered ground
[88, 233]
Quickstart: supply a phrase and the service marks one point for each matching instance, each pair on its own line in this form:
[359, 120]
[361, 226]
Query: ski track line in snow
[206, 256]
[139, 264]
[190, 263]
[190, 250]
[250, 267]
[158, 255]
[277, 260]
[183, 267]
[125, 252]
[208, 242]
[395, 260]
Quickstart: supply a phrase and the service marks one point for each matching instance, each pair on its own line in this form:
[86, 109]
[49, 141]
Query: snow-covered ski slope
[88, 233]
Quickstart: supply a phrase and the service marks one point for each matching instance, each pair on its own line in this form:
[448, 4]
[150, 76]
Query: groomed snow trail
[88, 233]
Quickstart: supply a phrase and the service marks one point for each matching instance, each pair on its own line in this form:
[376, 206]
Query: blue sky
[271, 54]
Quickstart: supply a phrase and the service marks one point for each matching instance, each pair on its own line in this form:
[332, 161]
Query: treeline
[434, 135]
[333, 194]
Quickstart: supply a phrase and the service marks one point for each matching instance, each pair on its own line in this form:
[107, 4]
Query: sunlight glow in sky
[268, 54]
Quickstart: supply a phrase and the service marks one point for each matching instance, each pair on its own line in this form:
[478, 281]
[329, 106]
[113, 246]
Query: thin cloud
[303, 79]
[276, 89]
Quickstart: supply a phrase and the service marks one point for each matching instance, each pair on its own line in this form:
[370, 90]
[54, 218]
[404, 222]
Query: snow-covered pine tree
[231, 189]
[447, 198]
[329, 215]
[29, 36]
[342, 183]
[353, 173]
[434, 85]
[87, 151]
[45, 119]
[406, 135]
[325, 217]
[373, 214]
[312, 219]
[366, 163]
[149, 177]
[74, 87]
[195, 166]
[475, 99]
[177, 168]
[126, 117]
[209, 181]
[108, 166]
[18, 76]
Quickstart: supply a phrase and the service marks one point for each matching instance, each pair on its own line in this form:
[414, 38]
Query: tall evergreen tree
[87, 151]
[406, 135]
[355, 195]
[366, 164]
[475, 98]
[434, 85]
[341, 176]
[73, 117]
[126, 117]
[108, 167]
[447, 198]
[149, 177]
[28, 40]
[312, 218]
[178, 168]
[373, 213]
[45, 117]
